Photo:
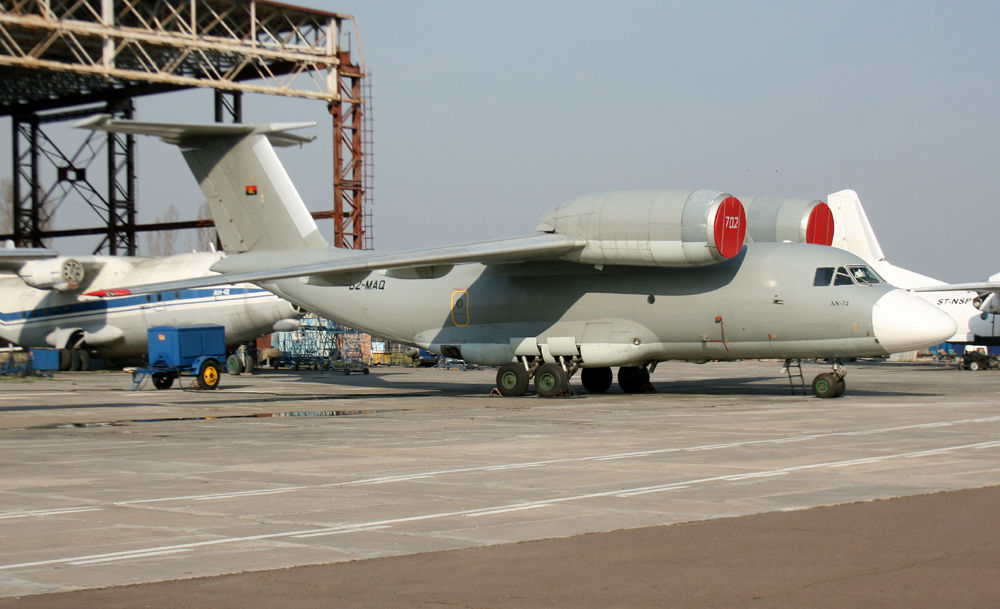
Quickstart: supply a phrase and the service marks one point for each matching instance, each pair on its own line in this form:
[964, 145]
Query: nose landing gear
[830, 384]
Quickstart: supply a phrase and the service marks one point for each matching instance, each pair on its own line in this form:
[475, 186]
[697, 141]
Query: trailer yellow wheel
[208, 375]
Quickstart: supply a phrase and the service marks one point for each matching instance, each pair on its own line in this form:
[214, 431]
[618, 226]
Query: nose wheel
[830, 384]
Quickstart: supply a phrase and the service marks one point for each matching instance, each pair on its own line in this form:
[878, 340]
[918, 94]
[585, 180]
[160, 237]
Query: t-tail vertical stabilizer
[252, 199]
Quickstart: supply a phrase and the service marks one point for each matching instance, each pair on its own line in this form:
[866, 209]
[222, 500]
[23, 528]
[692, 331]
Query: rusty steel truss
[61, 59]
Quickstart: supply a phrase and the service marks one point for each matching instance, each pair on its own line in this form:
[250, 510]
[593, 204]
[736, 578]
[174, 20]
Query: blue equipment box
[180, 346]
[45, 359]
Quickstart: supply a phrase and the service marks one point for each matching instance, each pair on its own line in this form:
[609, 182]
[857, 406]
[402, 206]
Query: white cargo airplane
[623, 279]
[42, 305]
[973, 306]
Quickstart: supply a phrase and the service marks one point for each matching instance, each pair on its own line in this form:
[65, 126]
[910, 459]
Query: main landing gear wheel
[512, 379]
[632, 379]
[162, 380]
[234, 365]
[596, 380]
[829, 385]
[79, 360]
[208, 375]
[550, 380]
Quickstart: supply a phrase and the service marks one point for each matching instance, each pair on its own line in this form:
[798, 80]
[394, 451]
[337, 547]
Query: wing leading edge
[13, 258]
[341, 267]
[981, 287]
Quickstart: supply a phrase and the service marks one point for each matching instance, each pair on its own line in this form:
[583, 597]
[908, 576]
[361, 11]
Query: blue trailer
[177, 350]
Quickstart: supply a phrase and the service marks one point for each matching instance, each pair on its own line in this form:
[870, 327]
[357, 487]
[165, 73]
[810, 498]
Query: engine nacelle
[775, 218]
[61, 274]
[652, 227]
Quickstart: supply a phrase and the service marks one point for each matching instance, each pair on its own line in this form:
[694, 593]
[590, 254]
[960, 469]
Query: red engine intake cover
[731, 227]
[819, 228]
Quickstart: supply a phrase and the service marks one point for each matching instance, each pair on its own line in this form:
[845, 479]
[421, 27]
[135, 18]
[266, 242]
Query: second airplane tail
[852, 230]
[252, 199]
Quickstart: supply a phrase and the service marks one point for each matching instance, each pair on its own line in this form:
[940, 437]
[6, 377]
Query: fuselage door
[460, 307]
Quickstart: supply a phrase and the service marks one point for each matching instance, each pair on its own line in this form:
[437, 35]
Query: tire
[74, 360]
[82, 356]
[233, 364]
[550, 380]
[162, 380]
[825, 385]
[208, 374]
[841, 387]
[596, 380]
[632, 379]
[512, 379]
[977, 364]
[65, 359]
[251, 363]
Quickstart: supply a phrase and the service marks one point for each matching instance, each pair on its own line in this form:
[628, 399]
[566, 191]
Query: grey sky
[487, 114]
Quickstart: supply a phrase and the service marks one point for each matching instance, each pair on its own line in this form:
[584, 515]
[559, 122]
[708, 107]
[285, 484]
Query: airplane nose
[903, 322]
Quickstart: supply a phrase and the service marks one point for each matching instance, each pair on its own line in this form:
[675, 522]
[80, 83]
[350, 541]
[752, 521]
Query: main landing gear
[552, 378]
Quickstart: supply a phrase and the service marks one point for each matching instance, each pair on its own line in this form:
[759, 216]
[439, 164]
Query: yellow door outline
[460, 308]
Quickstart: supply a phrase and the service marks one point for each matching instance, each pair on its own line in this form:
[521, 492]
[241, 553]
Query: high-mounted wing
[46, 269]
[982, 287]
[343, 267]
[13, 258]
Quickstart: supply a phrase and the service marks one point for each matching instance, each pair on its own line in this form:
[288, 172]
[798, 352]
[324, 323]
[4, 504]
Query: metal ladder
[793, 368]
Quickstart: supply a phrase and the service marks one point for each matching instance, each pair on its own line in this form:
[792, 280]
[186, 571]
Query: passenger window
[864, 275]
[823, 276]
[843, 277]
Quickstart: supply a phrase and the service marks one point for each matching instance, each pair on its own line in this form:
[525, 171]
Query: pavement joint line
[511, 509]
[133, 556]
[623, 493]
[341, 531]
[49, 512]
[424, 475]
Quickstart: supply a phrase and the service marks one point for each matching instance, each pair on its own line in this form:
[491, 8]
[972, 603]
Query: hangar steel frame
[62, 59]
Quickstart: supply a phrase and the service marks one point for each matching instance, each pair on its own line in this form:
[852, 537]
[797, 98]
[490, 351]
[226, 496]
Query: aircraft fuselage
[760, 304]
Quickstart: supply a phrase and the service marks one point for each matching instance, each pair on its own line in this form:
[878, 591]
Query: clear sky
[486, 114]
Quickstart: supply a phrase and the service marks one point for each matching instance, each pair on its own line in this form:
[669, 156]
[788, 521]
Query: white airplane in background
[973, 306]
[42, 304]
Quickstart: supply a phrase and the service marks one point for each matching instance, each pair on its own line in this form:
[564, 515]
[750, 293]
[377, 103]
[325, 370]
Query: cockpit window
[823, 275]
[842, 277]
[864, 275]
[855, 274]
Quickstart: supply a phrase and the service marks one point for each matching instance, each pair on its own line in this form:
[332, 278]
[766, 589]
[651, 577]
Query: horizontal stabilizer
[179, 133]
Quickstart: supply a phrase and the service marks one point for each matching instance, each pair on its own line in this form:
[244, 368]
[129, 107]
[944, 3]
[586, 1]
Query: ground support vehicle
[179, 350]
[347, 366]
[975, 360]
